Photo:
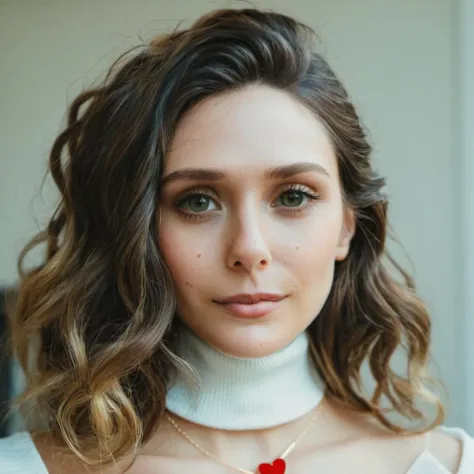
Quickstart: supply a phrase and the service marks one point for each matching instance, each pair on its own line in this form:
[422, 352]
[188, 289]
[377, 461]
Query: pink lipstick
[253, 305]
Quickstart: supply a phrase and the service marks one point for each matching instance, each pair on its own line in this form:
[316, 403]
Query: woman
[216, 276]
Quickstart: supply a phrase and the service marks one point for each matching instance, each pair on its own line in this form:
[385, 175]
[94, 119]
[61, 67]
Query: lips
[251, 298]
[252, 305]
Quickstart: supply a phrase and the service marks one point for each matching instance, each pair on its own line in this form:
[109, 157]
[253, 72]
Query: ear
[347, 232]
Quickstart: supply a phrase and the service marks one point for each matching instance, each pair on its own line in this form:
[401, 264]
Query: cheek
[312, 254]
[312, 259]
[186, 256]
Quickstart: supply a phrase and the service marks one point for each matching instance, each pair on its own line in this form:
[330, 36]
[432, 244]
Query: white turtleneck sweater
[245, 393]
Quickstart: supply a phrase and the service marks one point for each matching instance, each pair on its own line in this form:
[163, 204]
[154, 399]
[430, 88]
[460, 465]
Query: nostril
[259, 263]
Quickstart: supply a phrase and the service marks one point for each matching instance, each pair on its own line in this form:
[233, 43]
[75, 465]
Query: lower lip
[249, 311]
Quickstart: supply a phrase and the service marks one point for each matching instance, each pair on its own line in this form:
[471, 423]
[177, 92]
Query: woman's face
[251, 220]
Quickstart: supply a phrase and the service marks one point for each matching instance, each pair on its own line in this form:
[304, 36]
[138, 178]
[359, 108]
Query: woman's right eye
[197, 203]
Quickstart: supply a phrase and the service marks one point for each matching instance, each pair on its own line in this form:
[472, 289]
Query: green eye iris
[292, 198]
[198, 203]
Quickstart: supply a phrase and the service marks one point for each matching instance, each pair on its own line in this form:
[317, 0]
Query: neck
[244, 393]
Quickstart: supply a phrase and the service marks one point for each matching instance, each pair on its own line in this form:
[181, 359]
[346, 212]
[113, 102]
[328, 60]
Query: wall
[464, 151]
[396, 58]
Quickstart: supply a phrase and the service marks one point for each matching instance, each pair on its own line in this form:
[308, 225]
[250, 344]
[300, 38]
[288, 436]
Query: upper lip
[247, 298]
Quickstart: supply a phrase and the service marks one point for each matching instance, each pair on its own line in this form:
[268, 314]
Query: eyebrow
[208, 174]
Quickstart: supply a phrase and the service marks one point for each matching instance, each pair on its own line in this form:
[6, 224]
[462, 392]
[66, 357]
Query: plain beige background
[400, 61]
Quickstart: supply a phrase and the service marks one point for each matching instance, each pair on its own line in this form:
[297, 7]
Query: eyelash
[304, 190]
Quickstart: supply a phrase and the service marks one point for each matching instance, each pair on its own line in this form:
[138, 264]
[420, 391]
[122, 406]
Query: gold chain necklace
[278, 466]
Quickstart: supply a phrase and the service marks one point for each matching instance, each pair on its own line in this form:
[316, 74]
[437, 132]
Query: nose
[249, 249]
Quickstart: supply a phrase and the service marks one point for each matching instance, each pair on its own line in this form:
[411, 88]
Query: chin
[250, 341]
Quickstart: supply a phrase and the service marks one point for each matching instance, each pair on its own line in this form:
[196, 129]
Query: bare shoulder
[43, 446]
[446, 448]
[57, 464]
[49, 454]
[403, 451]
[408, 450]
[147, 461]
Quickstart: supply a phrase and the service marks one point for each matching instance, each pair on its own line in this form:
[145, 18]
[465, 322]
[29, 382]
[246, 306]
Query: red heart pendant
[278, 467]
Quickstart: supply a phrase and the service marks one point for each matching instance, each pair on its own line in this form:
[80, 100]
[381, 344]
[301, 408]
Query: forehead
[252, 128]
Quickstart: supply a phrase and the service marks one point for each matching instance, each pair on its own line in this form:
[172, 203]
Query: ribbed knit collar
[245, 393]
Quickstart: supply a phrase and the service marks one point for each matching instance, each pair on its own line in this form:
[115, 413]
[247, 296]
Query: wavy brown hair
[97, 317]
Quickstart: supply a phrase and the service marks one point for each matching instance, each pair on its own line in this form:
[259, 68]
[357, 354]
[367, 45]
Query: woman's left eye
[295, 198]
